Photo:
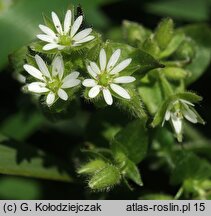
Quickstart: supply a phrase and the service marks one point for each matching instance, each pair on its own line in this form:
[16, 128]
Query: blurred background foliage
[21, 121]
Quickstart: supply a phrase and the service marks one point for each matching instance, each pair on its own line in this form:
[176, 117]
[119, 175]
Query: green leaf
[151, 95]
[201, 34]
[132, 141]
[131, 172]
[24, 160]
[20, 126]
[189, 166]
[19, 188]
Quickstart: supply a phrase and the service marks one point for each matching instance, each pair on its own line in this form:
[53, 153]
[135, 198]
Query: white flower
[179, 110]
[53, 83]
[106, 77]
[66, 35]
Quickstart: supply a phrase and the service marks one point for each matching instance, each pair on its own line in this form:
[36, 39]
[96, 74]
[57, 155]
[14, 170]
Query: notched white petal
[47, 38]
[47, 31]
[42, 66]
[86, 39]
[67, 21]
[76, 25]
[120, 91]
[107, 96]
[95, 68]
[62, 94]
[71, 83]
[190, 115]
[94, 91]
[103, 59]
[124, 79]
[57, 23]
[33, 71]
[50, 98]
[58, 66]
[37, 87]
[89, 83]
[82, 34]
[73, 75]
[121, 66]
[177, 124]
[51, 46]
[114, 59]
[91, 72]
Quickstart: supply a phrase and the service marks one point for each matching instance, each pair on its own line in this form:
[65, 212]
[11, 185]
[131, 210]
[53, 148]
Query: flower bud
[164, 32]
[105, 178]
[174, 73]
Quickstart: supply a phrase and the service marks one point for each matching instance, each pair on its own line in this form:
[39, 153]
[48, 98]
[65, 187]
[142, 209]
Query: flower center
[104, 79]
[54, 84]
[65, 40]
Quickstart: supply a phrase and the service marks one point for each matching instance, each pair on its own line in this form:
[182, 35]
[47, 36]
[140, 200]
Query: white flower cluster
[51, 82]
[105, 77]
[64, 36]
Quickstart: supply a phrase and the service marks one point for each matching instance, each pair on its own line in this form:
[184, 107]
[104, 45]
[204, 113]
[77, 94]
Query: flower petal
[113, 60]
[95, 68]
[47, 38]
[82, 34]
[94, 91]
[186, 102]
[121, 66]
[124, 79]
[190, 115]
[33, 71]
[57, 23]
[37, 87]
[50, 98]
[42, 66]
[62, 94]
[91, 72]
[107, 96]
[76, 25]
[51, 46]
[89, 83]
[120, 91]
[47, 31]
[73, 75]
[177, 123]
[70, 83]
[103, 59]
[84, 40]
[67, 21]
[166, 117]
[58, 66]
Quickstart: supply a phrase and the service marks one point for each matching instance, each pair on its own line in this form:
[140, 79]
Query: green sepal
[173, 45]
[174, 73]
[92, 167]
[151, 47]
[105, 179]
